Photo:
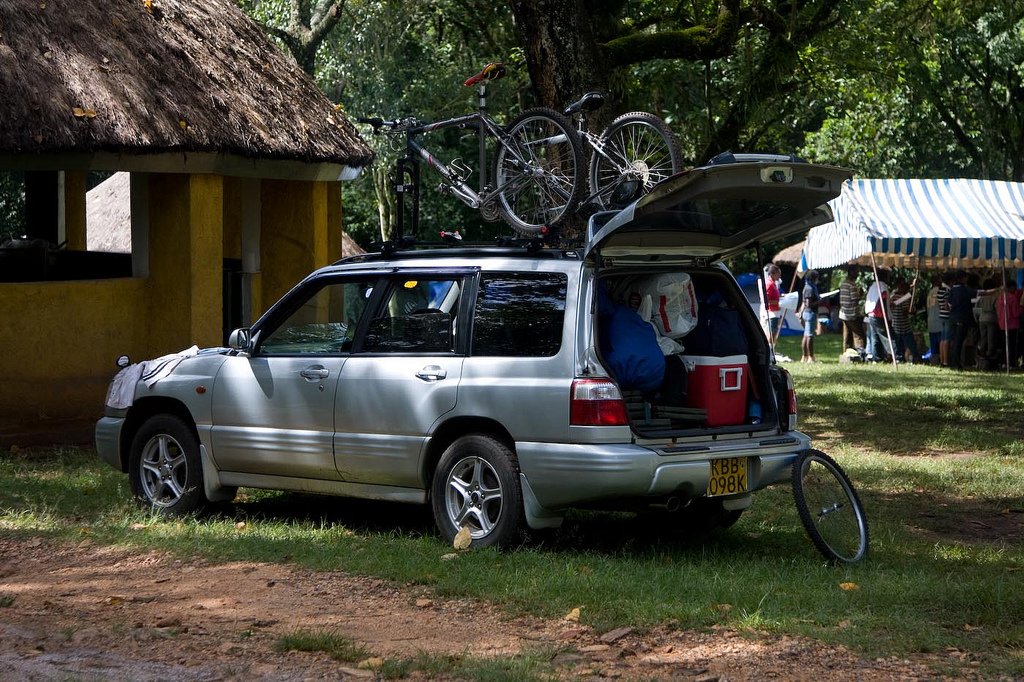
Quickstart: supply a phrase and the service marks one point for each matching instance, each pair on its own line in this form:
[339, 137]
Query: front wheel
[538, 172]
[634, 153]
[829, 508]
[476, 486]
[164, 467]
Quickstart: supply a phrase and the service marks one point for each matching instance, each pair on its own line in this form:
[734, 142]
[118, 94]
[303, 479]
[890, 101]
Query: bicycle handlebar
[391, 126]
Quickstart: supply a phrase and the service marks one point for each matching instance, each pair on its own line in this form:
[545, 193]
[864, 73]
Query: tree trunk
[562, 52]
[383, 187]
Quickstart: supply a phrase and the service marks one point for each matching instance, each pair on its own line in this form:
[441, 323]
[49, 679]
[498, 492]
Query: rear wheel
[829, 508]
[476, 486]
[538, 172]
[640, 150]
[164, 467]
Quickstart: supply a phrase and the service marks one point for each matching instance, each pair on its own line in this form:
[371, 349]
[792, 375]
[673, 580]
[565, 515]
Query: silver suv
[476, 379]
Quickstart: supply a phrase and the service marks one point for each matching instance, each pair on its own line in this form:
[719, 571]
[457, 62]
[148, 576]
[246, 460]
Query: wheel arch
[449, 431]
[142, 410]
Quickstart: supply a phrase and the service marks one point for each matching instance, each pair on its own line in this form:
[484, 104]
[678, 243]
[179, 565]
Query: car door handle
[432, 373]
[314, 373]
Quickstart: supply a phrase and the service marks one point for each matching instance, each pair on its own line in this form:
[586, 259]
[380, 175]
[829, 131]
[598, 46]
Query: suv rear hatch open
[717, 374]
[716, 211]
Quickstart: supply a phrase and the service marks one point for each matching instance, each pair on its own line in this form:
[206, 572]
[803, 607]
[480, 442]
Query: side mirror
[241, 339]
[123, 361]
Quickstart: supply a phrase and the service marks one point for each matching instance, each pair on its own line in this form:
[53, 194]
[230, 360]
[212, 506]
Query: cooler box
[719, 386]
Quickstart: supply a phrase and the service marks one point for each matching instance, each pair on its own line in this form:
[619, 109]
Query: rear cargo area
[687, 352]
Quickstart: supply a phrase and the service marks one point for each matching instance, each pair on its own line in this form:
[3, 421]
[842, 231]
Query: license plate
[728, 476]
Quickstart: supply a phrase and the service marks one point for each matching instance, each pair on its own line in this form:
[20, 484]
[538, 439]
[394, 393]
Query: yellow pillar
[185, 290]
[74, 210]
[334, 221]
[293, 235]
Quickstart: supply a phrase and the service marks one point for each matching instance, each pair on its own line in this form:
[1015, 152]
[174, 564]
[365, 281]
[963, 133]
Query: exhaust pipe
[671, 504]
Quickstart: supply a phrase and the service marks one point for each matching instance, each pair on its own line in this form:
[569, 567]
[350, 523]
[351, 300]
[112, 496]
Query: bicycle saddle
[592, 101]
[491, 72]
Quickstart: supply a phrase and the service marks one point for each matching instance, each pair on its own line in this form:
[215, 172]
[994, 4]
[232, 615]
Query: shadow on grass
[912, 410]
[612, 534]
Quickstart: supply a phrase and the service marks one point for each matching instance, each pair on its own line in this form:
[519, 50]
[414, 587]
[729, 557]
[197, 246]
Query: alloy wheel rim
[473, 496]
[164, 470]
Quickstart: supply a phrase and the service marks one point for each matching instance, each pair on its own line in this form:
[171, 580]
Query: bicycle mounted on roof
[635, 152]
[536, 180]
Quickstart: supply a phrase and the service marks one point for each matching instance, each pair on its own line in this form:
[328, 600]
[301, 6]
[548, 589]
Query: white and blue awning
[922, 223]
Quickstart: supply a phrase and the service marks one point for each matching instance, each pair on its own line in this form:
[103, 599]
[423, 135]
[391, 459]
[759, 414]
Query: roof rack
[452, 244]
[485, 250]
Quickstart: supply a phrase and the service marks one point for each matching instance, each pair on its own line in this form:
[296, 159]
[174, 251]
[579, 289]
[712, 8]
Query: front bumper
[108, 441]
[563, 475]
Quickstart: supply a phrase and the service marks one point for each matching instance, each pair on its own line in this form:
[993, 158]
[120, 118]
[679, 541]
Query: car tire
[476, 485]
[164, 468]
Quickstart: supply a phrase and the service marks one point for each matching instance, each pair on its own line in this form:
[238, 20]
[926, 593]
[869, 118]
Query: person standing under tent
[961, 317]
[849, 311]
[771, 300]
[874, 311]
[900, 317]
[990, 348]
[948, 280]
[1008, 314]
[809, 315]
[934, 320]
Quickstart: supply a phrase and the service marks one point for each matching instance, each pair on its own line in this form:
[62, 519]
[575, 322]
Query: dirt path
[96, 613]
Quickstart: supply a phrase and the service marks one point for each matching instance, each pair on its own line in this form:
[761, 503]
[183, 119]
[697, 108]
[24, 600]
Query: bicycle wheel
[637, 147]
[829, 508]
[538, 171]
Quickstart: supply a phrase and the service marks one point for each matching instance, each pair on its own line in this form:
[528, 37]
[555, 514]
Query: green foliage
[334, 645]
[930, 89]
[396, 59]
[889, 88]
[12, 205]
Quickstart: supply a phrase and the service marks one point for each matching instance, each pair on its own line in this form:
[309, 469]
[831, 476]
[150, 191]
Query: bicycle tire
[829, 508]
[642, 147]
[538, 171]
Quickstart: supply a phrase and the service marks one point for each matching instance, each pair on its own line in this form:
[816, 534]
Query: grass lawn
[936, 457]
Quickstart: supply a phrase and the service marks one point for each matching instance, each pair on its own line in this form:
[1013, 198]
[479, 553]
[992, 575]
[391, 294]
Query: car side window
[419, 316]
[519, 314]
[325, 323]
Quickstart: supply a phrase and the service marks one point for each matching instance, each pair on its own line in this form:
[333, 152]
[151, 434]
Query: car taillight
[790, 401]
[596, 402]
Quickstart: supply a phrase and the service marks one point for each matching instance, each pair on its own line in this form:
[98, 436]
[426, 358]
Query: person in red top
[771, 300]
[1008, 312]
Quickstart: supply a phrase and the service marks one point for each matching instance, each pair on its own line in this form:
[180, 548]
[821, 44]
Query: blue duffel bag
[629, 346]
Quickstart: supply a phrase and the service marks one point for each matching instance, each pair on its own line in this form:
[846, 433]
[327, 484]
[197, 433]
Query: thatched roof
[109, 220]
[185, 75]
[789, 255]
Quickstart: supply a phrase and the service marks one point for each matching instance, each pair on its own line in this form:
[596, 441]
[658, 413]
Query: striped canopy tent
[923, 224]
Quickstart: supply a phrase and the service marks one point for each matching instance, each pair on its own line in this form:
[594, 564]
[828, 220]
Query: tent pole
[885, 315]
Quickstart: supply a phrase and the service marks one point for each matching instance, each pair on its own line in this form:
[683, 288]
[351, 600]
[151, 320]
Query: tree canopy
[890, 88]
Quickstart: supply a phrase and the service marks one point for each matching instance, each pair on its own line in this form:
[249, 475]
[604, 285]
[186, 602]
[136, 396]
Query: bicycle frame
[415, 152]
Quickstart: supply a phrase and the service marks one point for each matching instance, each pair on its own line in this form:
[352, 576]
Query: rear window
[519, 314]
